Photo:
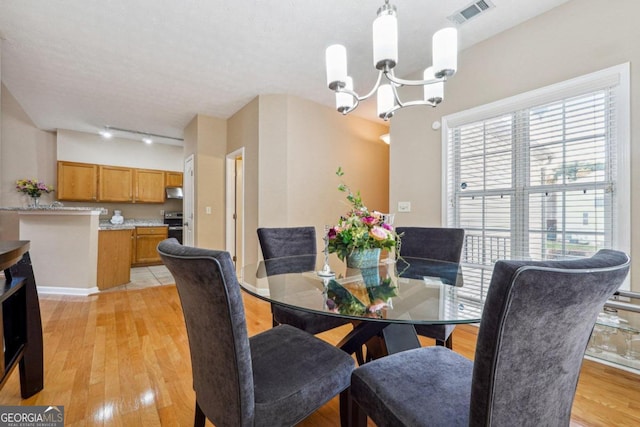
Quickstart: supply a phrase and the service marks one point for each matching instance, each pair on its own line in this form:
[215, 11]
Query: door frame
[230, 202]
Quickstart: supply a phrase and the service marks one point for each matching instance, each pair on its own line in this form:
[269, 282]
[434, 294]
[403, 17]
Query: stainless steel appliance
[174, 221]
[174, 192]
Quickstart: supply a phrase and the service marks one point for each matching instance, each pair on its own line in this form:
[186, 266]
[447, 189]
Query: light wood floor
[122, 359]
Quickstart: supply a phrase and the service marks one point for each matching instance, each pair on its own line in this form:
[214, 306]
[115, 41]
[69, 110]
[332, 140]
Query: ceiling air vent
[471, 11]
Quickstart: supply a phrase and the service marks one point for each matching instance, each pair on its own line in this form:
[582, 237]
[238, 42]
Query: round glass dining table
[385, 300]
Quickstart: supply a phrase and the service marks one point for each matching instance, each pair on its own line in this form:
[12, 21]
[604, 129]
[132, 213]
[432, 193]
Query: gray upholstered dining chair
[443, 244]
[277, 377]
[292, 241]
[535, 327]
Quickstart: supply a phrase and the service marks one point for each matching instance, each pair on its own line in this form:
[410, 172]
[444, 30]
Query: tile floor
[146, 277]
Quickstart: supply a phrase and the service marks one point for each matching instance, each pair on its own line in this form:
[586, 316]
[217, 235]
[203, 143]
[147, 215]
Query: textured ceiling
[151, 65]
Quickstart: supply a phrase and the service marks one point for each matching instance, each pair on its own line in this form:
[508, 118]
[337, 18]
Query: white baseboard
[58, 290]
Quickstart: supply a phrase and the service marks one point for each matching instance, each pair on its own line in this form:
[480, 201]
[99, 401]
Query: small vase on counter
[35, 202]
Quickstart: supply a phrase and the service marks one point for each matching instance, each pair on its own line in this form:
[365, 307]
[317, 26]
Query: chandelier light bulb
[344, 101]
[336, 60]
[385, 100]
[445, 52]
[385, 41]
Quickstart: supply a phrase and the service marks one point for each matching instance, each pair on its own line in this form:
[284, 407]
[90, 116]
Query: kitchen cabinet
[145, 243]
[87, 182]
[77, 182]
[115, 184]
[114, 257]
[149, 186]
[173, 179]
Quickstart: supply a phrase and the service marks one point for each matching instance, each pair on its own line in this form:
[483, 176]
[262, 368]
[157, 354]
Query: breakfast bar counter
[64, 247]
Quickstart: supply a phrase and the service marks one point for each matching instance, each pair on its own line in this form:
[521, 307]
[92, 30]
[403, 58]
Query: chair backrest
[443, 244]
[287, 241]
[535, 327]
[217, 331]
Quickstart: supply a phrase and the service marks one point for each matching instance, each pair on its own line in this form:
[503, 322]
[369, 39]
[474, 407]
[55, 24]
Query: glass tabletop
[408, 290]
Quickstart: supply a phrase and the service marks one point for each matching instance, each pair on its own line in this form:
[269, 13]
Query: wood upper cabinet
[77, 181]
[173, 179]
[115, 184]
[149, 186]
[87, 182]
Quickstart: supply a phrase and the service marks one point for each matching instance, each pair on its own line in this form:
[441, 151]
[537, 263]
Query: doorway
[235, 207]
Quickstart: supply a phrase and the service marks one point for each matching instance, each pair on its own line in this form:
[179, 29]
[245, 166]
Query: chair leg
[199, 419]
[357, 416]
[449, 342]
[345, 408]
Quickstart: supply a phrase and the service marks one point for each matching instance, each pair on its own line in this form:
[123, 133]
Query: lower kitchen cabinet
[114, 258]
[145, 243]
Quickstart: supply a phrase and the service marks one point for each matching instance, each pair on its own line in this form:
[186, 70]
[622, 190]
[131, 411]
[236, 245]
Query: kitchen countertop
[130, 224]
[48, 208]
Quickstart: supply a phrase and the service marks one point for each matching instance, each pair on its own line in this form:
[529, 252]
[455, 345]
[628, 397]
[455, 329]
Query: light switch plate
[207, 210]
[404, 206]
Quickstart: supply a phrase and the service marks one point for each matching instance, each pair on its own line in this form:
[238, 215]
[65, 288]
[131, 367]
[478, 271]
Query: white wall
[84, 147]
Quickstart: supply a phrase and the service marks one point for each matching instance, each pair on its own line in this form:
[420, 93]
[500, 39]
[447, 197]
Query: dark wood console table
[21, 328]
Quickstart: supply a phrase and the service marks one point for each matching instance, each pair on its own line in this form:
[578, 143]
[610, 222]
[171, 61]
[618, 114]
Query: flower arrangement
[33, 187]
[359, 228]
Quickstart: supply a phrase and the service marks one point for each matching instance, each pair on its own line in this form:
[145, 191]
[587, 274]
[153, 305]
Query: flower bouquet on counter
[32, 187]
[359, 229]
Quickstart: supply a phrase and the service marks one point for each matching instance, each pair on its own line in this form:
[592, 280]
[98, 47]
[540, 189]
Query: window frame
[617, 77]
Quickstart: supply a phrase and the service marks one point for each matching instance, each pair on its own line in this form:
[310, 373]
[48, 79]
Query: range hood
[174, 192]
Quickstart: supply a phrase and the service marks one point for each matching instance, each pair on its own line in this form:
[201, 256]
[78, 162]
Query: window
[541, 176]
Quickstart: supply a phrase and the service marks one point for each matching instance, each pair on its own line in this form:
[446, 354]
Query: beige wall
[292, 150]
[206, 138]
[243, 131]
[27, 152]
[577, 38]
[302, 144]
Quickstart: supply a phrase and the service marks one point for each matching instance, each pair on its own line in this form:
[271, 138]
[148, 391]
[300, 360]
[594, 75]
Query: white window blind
[539, 182]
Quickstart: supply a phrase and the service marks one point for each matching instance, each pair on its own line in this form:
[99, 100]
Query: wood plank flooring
[122, 359]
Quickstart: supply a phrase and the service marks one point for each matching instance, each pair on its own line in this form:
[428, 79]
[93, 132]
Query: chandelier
[385, 58]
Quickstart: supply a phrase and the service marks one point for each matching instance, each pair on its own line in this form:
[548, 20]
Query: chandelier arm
[397, 107]
[367, 96]
[402, 82]
[399, 103]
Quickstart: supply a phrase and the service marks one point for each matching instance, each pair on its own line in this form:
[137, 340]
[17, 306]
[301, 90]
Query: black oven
[174, 221]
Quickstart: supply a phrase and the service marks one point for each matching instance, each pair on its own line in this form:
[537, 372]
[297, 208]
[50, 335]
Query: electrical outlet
[161, 212]
[104, 211]
[404, 206]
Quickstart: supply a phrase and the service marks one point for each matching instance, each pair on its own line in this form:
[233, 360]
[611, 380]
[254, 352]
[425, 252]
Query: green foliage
[359, 228]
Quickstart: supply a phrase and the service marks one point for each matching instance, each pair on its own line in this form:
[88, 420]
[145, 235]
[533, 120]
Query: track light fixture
[146, 137]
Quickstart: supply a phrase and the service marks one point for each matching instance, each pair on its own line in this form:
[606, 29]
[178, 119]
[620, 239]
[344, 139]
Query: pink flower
[332, 233]
[387, 226]
[378, 233]
[369, 220]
